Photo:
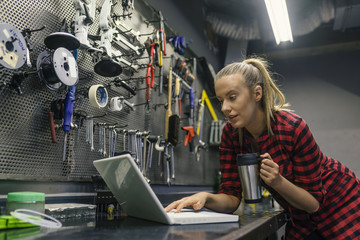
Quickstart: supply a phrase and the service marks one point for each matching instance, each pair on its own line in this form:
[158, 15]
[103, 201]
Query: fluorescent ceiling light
[279, 19]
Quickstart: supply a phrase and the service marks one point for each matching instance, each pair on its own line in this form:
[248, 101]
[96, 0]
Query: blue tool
[68, 109]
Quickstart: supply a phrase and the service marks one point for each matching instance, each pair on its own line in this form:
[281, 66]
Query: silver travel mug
[249, 172]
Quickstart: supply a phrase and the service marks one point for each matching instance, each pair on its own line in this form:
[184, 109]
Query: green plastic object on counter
[25, 200]
[10, 222]
[17, 234]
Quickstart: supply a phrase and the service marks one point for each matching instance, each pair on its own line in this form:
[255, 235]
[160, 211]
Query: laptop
[137, 198]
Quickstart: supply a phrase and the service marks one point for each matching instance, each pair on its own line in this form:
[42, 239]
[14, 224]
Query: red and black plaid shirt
[300, 161]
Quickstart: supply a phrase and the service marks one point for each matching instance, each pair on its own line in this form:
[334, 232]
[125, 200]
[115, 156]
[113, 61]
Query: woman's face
[237, 102]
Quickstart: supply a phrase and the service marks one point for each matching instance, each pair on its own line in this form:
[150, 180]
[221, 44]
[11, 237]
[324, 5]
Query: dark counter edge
[260, 229]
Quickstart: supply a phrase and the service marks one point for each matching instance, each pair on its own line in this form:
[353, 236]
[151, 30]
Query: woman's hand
[196, 201]
[269, 171]
[294, 195]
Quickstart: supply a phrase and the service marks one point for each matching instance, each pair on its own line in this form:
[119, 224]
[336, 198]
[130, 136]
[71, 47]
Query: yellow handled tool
[168, 110]
[205, 98]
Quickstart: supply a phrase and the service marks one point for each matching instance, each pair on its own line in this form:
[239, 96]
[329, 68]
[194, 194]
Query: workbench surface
[257, 222]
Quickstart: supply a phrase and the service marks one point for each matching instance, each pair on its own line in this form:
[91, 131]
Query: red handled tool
[150, 72]
[149, 79]
[190, 134]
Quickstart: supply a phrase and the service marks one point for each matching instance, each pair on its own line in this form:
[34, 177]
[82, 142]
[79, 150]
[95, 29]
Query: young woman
[321, 195]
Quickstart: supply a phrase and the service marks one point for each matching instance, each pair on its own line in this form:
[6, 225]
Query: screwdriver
[68, 110]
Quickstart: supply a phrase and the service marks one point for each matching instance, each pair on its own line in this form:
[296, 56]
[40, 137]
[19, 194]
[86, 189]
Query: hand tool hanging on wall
[167, 158]
[144, 136]
[112, 140]
[17, 79]
[119, 39]
[68, 115]
[162, 34]
[190, 134]
[177, 93]
[132, 145]
[152, 141]
[192, 117]
[56, 114]
[117, 103]
[13, 50]
[162, 48]
[106, 66]
[150, 71]
[128, 6]
[89, 132]
[183, 71]
[215, 129]
[161, 69]
[200, 126]
[179, 43]
[102, 139]
[160, 147]
[27, 34]
[79, 116]
[168, 110]
[84, 17]
[121, 83]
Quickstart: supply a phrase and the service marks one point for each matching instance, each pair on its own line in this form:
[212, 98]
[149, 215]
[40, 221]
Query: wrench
[132, 146]
[139, 148]
[127, 29]
[167, 156]
[112, 140]
[152, 140]
[101, 140]
[145, 135]
[118, 39]
[90, 132]
[172, 161]
[117, 55]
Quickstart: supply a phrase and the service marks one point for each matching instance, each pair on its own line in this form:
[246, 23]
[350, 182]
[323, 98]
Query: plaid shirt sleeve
[307, 162]
[230, 182]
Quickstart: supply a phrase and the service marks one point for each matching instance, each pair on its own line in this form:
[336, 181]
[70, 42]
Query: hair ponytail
[255, 72]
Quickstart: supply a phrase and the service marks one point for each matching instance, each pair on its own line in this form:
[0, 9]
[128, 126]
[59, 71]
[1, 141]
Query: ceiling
[317, 25]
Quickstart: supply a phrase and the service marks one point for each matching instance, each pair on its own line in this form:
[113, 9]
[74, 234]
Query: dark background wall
[325, 91]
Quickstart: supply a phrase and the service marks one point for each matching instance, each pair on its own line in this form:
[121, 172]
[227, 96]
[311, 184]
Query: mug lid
[247, 159]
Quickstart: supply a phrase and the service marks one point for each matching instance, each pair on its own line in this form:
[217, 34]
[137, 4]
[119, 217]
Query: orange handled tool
[190, 134]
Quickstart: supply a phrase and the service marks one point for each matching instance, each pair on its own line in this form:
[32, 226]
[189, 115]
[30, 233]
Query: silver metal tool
[167, 157]
[112, 140]
[202, 144]
[101, 138]
[132, 144]
[143, 167]
[84, 17]
[124, 133]
[152, 140]
[118, 39]
[89, 132]
[171, 147]
[139, 148]
[135, 34]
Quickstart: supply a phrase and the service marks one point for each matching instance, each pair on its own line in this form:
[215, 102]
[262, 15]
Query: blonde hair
[256, 72]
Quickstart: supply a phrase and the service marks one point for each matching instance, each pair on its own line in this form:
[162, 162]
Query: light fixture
[279, 19]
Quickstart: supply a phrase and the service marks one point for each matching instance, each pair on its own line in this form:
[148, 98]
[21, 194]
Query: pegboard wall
[26, 149]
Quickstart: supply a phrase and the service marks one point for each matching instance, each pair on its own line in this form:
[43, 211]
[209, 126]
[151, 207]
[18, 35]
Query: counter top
[257, 221]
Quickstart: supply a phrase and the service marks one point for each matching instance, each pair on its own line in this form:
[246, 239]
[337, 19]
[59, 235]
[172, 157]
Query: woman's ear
[258, 93]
